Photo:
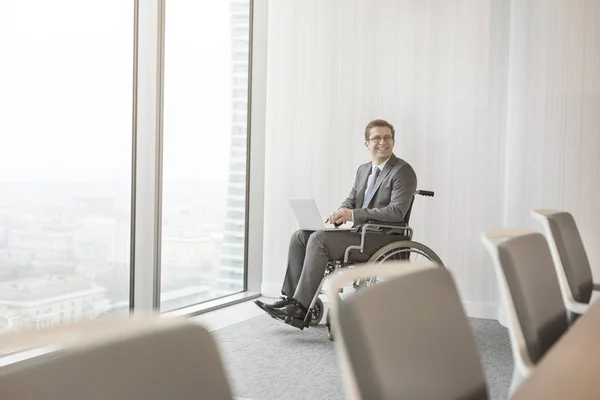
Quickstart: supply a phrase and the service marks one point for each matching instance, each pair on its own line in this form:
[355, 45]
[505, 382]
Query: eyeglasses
[378, 139]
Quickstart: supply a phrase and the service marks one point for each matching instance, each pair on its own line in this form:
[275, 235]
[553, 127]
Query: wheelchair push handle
[427, 193]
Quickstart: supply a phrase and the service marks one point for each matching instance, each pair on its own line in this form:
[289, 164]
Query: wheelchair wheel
[406, 250]
[317, 313]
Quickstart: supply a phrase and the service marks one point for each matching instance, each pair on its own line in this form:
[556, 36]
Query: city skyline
[65, 175]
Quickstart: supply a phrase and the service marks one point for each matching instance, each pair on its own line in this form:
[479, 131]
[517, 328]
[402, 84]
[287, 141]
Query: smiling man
[382, 191]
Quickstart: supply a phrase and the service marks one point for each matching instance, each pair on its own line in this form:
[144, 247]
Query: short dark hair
[378, 123]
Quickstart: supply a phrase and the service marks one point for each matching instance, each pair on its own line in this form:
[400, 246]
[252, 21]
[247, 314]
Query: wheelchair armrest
[376, 226]
[386, 224]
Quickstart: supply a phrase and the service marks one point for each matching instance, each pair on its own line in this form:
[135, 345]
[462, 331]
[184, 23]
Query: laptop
[309, 218]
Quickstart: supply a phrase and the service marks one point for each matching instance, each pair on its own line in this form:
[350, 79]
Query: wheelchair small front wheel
[317, 313]
[328, 324]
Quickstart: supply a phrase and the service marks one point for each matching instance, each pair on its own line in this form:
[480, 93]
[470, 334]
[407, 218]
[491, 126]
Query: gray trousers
[311, 250]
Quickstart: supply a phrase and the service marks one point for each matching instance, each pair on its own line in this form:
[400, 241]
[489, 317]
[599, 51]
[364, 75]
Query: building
[5, 321]
[188, 258]
[41, 247]
[231, 269]
[38, 303]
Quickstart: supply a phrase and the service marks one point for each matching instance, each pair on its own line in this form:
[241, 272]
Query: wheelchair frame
[316, 309]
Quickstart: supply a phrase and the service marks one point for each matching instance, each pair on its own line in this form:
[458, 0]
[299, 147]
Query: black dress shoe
[294, 310]
[292, 314]
[282, 302]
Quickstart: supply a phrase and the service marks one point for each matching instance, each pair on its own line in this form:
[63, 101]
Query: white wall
[437, 71]
[496, 105]
[553, 142]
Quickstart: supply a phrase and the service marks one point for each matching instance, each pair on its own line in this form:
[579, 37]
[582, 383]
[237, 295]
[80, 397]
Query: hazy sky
[66, 89]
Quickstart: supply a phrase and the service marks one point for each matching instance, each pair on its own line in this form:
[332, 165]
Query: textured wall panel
[553, 136]
[437, 70]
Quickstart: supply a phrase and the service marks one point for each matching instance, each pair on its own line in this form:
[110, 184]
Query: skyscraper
[231, 269]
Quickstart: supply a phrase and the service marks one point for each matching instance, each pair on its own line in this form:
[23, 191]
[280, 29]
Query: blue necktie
[370, 187]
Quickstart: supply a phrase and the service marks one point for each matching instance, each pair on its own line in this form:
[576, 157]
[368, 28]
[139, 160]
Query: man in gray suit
[382, 191]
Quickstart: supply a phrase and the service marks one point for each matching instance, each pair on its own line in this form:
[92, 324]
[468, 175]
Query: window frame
[147, 160]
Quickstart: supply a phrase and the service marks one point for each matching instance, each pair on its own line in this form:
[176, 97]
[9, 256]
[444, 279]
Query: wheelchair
[402, 249]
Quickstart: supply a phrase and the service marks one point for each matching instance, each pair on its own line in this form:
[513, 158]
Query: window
[237, 191]
[237, 203]
[239, 177]
[240, 105]
[238, 166]
[240, 81]
[240, 68]
[234, 226]
[238, 142]
[239, 93]
[65, 157]
[206, 92]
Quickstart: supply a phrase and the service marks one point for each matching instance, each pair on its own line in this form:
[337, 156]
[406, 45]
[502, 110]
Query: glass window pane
[65, 160]
[205, 129]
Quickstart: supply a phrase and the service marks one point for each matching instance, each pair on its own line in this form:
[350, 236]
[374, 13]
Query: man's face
[380, 143]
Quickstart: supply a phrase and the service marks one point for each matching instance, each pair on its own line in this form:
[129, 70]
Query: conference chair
[406, 337]
[155, 360]
[570, 260]
[531, 296]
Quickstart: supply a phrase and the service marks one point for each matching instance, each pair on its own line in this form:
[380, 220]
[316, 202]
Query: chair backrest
[174, 361]
[570, 254]
[408, 337]
[525, 265]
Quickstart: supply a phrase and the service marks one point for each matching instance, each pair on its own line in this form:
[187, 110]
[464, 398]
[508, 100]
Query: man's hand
[340, 216]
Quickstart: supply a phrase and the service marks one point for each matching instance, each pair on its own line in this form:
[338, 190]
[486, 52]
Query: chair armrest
[596, 287]
[576, 307]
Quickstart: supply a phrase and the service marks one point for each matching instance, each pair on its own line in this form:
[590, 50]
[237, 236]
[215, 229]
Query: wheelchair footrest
[340, 290]
[295, 322]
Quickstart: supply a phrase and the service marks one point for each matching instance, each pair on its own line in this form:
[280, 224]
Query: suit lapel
[362, 186]
[386, 171]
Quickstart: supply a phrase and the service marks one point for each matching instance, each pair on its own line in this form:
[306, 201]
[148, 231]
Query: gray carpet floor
[268, 360]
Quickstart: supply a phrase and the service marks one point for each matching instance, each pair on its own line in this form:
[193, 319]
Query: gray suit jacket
[394, 190]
